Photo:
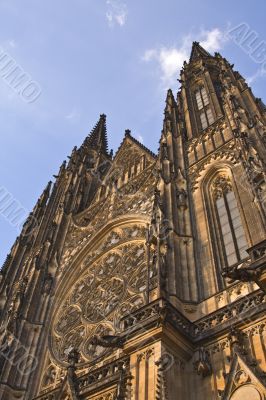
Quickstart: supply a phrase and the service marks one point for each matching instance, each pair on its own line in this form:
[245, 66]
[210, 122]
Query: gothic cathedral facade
[142, 276]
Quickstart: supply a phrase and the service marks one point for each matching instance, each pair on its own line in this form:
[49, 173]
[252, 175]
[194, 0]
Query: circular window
[110, 287]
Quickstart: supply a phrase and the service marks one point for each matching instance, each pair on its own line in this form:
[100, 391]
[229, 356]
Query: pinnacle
[98, 136]
[198, 51]
[170, 100]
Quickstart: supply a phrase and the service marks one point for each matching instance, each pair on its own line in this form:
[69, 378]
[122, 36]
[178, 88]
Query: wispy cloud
[170, 59]
[116, 13]
[73, 115]
[260, 73]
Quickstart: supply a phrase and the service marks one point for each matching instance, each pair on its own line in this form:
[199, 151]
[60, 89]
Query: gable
[131, 158]
[242, 383]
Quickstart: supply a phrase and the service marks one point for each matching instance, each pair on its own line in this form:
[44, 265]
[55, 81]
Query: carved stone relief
[113, 284]
[135, 197]
[221, 185]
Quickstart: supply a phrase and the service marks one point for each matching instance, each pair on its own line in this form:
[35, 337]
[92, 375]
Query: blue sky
[94, 56]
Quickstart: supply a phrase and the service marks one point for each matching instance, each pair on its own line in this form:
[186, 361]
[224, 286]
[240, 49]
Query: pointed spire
[98, 136]
[170, 101]
[198, 52]
[44, 196]
[61, 170]
[170, 105]
[170, 96]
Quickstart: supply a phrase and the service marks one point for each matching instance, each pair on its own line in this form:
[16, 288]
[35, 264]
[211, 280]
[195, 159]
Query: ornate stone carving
[49, 377]
[241, 306]
[241, 381]
[242, 272]
[241, 378]
[228, 153]
[221, 185]
[115, 373]
[202, 363]
[109, 341]
[114, 284]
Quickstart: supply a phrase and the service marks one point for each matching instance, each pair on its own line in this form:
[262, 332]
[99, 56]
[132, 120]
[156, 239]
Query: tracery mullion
[220, 234]
[204, 106]
[231, 226]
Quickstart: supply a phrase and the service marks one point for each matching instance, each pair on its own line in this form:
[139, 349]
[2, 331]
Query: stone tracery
[112, 285]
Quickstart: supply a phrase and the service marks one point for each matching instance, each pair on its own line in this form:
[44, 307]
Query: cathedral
[142, 276]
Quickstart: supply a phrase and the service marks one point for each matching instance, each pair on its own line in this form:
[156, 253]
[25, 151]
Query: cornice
[215, 324]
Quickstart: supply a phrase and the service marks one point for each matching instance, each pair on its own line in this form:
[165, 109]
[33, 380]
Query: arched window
[204, 109]
[231, 232]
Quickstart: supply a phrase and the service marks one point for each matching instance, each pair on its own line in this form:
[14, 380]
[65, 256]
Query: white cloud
[73, 115]
[170, 59]
[214, 40]
[260, 73]
[116, 12]
[149, 55]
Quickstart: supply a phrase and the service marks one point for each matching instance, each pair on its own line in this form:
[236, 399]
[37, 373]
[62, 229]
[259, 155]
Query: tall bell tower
[225, 152]
[142, 276]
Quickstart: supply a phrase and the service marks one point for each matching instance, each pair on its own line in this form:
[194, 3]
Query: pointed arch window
[233, 238]
[204, 109]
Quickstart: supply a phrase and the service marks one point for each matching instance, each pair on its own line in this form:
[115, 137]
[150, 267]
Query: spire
[98, 136]
[169, 115]
[42, 201]
[45, 194]
[198, 52]
[169, 101]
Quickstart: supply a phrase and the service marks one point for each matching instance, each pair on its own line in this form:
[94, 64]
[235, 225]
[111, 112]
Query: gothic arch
[226, 169]
[209, 249]
[198, 171]
[242, 383]
[107, 279]
[236, 183]
[217, 180]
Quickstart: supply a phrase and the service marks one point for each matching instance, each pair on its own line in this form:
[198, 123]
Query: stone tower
[142, 276]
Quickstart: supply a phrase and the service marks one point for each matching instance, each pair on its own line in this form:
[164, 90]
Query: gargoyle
[242, 273]
[108, 341]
